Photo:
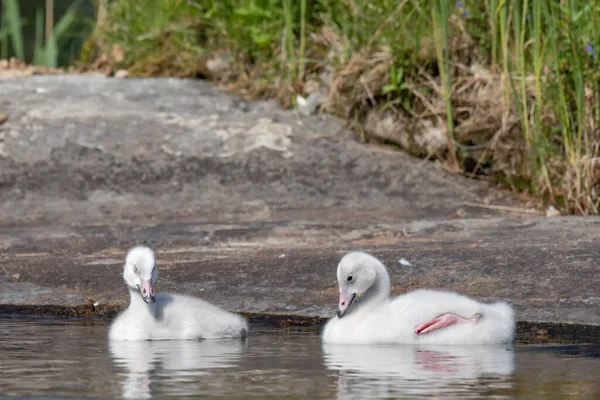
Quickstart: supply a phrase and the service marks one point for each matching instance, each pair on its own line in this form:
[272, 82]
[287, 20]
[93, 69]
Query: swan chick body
[368, 315]
[153, 316]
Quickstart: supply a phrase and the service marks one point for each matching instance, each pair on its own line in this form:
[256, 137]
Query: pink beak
[345, 303]
[147, 291]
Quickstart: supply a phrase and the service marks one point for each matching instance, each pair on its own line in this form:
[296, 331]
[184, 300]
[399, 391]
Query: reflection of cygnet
[167, 316]
[368, 315]
[384, 370]
[179, 361]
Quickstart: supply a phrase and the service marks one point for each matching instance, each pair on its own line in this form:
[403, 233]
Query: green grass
[45, 52]
[531, 121]
[10, 28]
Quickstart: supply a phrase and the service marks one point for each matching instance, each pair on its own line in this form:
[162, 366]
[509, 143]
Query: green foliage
[48, 54]
[45, 53]
[11, 27]
[398, 88]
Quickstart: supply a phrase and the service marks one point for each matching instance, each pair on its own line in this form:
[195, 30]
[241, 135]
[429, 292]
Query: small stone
[218, 65]
[118, 54]
[170, 151]
[41, 90]
[405, 262]
[3, 151]
[552, 212]
[17, 64]
[122, 73]
[3, 118]
[16, 276]
[309, 105]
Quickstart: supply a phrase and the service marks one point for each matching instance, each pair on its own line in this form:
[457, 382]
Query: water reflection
[174, 363]
[386, 370]
[69, 359]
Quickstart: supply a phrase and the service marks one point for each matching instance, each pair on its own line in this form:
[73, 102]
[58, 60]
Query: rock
[405, 262]
[118, 54]
[3, 118]
[98, 165]
[122, 73]
[218, 65]
[420, 138]
[15, 63]
[309, 105]
[552, 212]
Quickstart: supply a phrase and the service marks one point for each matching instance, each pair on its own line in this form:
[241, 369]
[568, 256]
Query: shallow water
[64, 359]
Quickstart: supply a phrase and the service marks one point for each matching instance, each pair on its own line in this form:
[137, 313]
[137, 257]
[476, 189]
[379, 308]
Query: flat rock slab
[251, 207]
[81, 150]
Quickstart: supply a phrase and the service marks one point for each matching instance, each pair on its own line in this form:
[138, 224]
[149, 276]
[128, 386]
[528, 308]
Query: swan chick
[152, 316]
[367, 314]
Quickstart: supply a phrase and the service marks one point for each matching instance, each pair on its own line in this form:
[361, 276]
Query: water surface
[65, 359]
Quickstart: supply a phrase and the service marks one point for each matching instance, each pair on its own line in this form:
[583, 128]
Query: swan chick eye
[350, 278]
[135, 269]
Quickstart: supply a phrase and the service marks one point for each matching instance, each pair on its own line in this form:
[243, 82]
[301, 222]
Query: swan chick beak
[147, 292]
[345, 303]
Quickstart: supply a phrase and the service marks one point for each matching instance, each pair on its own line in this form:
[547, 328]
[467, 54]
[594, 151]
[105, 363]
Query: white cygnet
[367, 314]
[152, 316]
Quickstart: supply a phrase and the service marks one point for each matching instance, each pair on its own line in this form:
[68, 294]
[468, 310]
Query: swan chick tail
[498, 320]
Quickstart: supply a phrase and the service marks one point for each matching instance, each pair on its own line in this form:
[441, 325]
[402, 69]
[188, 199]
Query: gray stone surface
[251, 207]
[142, 151]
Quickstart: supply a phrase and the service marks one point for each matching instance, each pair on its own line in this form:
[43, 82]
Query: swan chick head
[356, 274]
[140, 272]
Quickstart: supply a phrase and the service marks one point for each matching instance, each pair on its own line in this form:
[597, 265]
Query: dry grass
[14, 68]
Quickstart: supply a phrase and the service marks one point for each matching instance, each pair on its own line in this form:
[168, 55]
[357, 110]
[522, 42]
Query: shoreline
[528, 332]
